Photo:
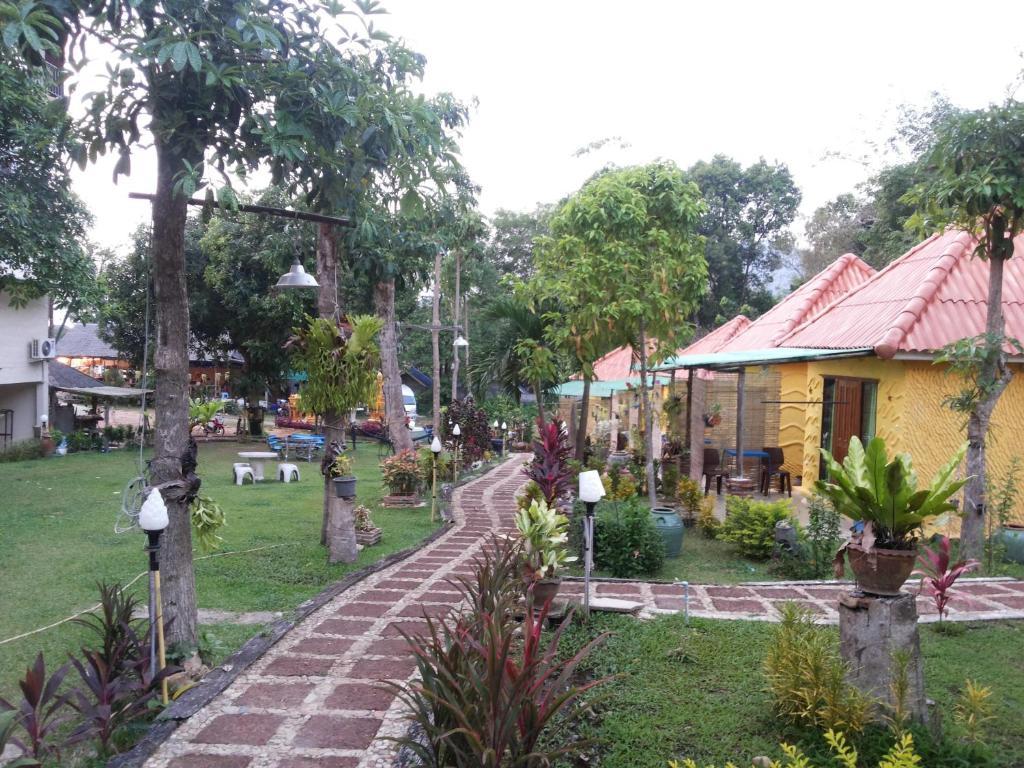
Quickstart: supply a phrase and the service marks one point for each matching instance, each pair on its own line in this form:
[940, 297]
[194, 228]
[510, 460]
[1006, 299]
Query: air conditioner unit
[44, 349]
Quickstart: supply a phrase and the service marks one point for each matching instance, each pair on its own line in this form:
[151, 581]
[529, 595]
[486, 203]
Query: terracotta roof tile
[718, 338]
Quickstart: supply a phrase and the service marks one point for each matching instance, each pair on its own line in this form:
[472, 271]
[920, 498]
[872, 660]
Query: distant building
[23, 368]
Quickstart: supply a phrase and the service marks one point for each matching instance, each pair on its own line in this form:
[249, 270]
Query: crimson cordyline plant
[550, 466]
[40, 712]
[937, 576]
[487, 692]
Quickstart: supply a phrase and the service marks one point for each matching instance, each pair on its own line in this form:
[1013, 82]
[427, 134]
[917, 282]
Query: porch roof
[574, 388]
[729, 361]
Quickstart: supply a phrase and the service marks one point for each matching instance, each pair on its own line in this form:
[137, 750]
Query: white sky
[790, 82]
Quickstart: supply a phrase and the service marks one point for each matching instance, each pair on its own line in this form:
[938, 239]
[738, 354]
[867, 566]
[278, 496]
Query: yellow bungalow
[853, 353]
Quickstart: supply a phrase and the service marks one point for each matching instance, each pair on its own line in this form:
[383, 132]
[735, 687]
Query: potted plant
[341, 475]
[401, 473]
[884, 495]
[713, 416]
[367, 534]
[545, 535]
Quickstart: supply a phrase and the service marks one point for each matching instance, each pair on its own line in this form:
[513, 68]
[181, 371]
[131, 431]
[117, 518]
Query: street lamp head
[435, 444]
[456, 430]
[460, 341]
[504, 425]
[153, 515]
[297, 277]
[495, 424]
[591, 487]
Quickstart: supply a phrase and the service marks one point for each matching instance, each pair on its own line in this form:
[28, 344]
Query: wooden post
[740, 382]
[695, 424]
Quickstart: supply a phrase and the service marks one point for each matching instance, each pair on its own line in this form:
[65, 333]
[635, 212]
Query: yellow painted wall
[910, 415]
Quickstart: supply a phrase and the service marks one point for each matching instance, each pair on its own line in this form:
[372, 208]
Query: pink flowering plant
[937, 576]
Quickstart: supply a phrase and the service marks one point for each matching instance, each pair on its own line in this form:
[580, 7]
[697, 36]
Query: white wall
[18, 327]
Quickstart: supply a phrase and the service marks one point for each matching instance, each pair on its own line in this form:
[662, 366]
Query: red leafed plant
[489, 688]
[937, 576]
[550, 466]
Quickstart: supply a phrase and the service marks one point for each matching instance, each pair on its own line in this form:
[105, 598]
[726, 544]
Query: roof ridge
[919, 302]
[817, 286]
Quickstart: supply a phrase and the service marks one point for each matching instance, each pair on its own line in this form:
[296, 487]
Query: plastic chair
[713, 469]
[243, 471]
[772, 467]
[288, 472]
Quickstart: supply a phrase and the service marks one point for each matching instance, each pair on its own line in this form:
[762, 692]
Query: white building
[24, 385]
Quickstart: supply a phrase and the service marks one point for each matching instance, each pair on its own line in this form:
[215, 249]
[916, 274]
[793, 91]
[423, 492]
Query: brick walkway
[313, 700]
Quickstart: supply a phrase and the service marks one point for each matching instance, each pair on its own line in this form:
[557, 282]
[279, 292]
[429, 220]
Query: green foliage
[969, 359]
[619, 483]
[750, 524]
[626, 541]
[707, 521]
[22, 450]
[341, 466]
[341, 366]
[1002, 500]
[36, 135]
[690, 496]
[207, 519]
[474, 429]
[544, 534]
[491, 692]
[806, 676]
[900, 755]
[425, 457]
[973, 710]
[200, 412]
[869, 487]
[531, 492]
[823, 534]
[746, 225]
[401, 472]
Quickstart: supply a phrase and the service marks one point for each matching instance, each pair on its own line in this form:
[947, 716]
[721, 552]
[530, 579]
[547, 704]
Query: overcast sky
[815, 86]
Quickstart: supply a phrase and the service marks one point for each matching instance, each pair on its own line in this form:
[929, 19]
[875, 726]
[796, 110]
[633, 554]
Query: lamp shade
[153, 515]
[435, 444]
[504, 425]
[456, 430]
[460, 341]
[591, 487]
[495, 425]
[297, 277]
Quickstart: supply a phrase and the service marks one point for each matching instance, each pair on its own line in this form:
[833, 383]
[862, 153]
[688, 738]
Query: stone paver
[317, 698]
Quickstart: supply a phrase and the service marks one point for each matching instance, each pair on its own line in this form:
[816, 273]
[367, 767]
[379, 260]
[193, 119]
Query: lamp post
[591, 492]
[504, 437]
[457, 432]
[153, 520]
[435, 450]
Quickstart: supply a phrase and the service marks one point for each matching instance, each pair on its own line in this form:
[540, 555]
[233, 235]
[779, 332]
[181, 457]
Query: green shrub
[626, 541]
[900, 755]
[807, 677]
[690, 497]
[707, 522]
[824, 535]
[750, 524]
[23, 450]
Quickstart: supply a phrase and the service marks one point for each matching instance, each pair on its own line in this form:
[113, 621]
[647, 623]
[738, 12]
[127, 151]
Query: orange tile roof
[718, 338]
[934, 294]
[843, 275]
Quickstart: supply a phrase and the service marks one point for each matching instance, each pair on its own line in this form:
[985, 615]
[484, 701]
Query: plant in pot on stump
[545, 535]
[340, 472]
[367, 534]
[402, 476]
[884, 495]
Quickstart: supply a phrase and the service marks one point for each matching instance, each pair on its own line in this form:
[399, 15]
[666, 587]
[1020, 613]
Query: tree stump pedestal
[341, 531]
[871, 631]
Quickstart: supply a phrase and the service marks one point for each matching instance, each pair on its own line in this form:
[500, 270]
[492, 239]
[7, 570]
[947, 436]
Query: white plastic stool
[241, 472]
[236, 465]
[288, 472]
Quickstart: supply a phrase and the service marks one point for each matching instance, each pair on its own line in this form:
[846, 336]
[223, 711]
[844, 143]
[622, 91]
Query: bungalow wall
[910, 415]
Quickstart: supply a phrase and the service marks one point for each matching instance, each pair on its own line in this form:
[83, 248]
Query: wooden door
[846, 415]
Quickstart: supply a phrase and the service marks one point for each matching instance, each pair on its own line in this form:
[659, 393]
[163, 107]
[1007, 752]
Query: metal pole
[433, 502]
[588, 555]
[156, 611]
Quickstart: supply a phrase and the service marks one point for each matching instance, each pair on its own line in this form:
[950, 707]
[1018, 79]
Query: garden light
[153, 520]
[297, 277]
[591, 492]
[435, 451]
[456, 430]
[435, 445]
[460, 342]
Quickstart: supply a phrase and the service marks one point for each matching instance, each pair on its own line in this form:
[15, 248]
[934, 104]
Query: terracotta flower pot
[881, 571]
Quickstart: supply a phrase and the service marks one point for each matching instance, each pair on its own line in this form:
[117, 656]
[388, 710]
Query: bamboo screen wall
[761, 418]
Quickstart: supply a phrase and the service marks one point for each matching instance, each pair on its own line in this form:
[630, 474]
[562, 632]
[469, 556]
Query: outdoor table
[761, 456]
[256, 459]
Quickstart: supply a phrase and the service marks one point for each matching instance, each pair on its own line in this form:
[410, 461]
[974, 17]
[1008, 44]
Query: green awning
[574, 388]
[728, 361]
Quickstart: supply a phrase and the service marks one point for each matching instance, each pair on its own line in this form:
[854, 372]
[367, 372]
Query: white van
[409, 400]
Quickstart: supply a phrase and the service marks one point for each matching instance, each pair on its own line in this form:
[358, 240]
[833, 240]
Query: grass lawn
[698, 691]
[57, 540]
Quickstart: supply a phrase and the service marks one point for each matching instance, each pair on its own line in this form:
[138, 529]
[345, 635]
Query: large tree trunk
[394, 409]
[171, 439]
[995, 375]
[456, 300]
[645, 402]
[581, 430]
[435, 344]
[328, 307]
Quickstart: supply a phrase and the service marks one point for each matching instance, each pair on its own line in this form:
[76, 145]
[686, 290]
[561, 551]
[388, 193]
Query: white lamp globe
[504, 425]
[495, 425]
[591, 487]
[456, 430]
[435, 444]
[153, 515]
